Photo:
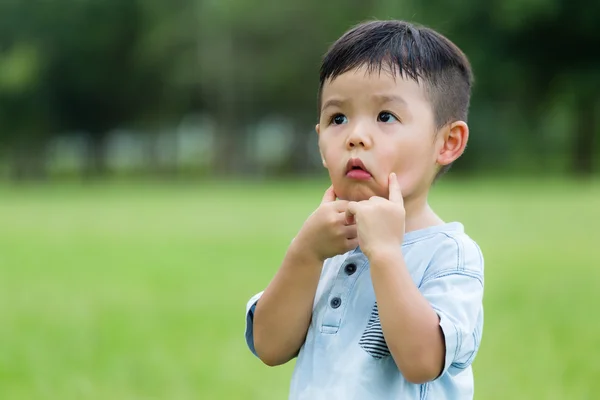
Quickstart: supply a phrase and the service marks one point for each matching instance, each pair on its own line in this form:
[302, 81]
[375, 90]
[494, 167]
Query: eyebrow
[333, 103]
[384, 98]
[379, 98]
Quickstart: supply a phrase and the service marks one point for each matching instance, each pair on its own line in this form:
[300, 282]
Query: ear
[452, 142]
[318, 129]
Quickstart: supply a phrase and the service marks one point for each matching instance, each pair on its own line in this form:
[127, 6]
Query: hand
[326, 233]
[380, 222]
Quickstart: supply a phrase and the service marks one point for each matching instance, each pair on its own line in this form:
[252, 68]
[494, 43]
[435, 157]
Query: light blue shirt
[345, 355]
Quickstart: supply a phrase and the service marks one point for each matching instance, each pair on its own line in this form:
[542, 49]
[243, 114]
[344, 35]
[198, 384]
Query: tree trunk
[586, 132]
[300, 157]
[28, 160]
[228, 155]
[96, 163]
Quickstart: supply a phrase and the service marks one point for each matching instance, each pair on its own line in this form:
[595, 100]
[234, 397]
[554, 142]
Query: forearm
[283, 313]
[409, 323]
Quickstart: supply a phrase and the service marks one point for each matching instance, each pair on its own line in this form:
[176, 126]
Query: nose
[359, 137]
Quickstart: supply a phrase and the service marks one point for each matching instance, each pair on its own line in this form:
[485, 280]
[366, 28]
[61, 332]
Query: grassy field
[137, 291]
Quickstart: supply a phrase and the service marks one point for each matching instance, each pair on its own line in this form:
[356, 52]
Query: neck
[418, 214]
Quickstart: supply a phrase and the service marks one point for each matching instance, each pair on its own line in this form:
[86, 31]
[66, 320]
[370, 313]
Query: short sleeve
[250, 307]
[453, 285]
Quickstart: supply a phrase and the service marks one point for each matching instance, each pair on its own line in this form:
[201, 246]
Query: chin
[356, 192]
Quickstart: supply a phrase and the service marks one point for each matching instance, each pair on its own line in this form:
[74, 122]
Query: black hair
[414, 51]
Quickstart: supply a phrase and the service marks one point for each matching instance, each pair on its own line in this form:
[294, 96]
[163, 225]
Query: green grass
[137, 291]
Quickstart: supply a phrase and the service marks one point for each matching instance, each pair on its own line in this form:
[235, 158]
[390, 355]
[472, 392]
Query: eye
[386, 117]
[339, 119]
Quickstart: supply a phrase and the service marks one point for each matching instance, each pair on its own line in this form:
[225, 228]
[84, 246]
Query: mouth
[355, 169]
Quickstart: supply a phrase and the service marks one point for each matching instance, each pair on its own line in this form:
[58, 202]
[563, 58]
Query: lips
[355, 169]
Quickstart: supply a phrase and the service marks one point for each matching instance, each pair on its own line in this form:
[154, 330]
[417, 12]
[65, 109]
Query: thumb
[329, 195]
[394, 188]
[351, 211]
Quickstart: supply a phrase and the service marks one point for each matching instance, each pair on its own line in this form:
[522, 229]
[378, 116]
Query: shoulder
[447, 250]
[460, 247]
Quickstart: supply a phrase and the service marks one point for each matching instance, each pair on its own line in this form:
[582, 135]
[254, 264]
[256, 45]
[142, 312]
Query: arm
[283, 313]
[410, 326]
[434, 328]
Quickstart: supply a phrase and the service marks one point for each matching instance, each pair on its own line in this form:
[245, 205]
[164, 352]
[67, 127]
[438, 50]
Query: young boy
[377, 297]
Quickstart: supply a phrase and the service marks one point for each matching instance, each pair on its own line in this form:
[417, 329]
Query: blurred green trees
[246, 73]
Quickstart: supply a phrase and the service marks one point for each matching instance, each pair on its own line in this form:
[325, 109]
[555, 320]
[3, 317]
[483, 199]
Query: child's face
[385, 122]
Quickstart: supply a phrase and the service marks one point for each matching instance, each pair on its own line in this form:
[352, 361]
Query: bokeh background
[157, 157]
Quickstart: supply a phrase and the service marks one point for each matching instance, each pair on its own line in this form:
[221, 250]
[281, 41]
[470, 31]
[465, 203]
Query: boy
[377, 297]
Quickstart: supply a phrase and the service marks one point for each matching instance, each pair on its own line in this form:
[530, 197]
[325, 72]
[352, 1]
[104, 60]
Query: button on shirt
[345, 355]
[350, 268]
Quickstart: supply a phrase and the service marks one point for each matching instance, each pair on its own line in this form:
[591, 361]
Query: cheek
[412, 163]
[416, 152]
[331, 157]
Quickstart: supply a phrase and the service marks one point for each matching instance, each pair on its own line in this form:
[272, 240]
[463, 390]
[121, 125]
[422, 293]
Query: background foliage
[132, 287]
[229, 87]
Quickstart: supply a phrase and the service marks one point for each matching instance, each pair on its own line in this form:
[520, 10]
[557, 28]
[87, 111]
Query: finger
[344, 219]
[341, 218]
[349, 219]
[340, 205]
[394, 188]
[351, 211]
[329, 195]
[350, 232]
[376, 199]
[352, 207]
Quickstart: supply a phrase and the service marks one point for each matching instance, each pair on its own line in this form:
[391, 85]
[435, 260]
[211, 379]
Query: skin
[283, 314]
[387, 122]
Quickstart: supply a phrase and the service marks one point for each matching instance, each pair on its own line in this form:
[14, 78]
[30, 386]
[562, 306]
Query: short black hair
[410, 50]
